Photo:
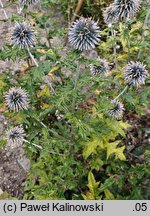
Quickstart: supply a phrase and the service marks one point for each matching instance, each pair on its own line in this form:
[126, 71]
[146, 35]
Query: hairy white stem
[40, 147]
[113, 34]
[32, 57]
[128, 39]
[126, 87]
[143, 32]
[1, 3]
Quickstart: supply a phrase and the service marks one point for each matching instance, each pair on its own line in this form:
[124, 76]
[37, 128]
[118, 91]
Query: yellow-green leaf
[91, 146]
[108, 195]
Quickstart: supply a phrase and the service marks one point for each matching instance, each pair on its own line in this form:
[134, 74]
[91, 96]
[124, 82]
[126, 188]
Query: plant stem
[40, 147]
[113, 32]
[50, 130]
[128, 39]
[1, 3]
[126, 87]
[143, 32]
[32, 57]
[75, 86]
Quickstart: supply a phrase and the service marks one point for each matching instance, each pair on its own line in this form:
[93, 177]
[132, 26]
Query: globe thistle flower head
[84, 34]
[111, 14]
[101, 68]
[127, 8]
[23, 36]
[117, 109]
[15, 137]
[28, 2]
[135, 74]
[16, 99]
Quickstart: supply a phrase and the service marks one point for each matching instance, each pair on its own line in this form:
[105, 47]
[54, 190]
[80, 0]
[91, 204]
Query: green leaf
[108, 195]
[91, 146]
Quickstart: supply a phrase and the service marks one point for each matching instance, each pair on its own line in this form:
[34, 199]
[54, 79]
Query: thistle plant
[111, 14]
[117, 110]
[121, 10]
[16, 99]
[15, 137]
[84, 34]
[71, 123]
[111, 17]
[135, 74]
[126, 9]
[26, 3]
[101, 68]
[23, 36]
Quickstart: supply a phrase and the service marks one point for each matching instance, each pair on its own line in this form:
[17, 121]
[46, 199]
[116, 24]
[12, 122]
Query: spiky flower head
[101, 68]
[16, 99]
[111, 14]
[84, 34]
[135, 73]
[15, 137]
[23, 36]
[117, 109]
[28, 2]
[127, 8]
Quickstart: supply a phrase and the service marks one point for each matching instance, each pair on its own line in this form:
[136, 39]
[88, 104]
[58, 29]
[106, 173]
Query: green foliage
[81, 154]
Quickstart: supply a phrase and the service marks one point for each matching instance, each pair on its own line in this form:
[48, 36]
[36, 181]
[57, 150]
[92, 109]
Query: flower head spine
[135, 74]
[101, 68]
[117, 109]
[15, 137]
[111, 15]
[127, 8]
[28, 2]
[84, 34]
[16, 99]
[23, 36]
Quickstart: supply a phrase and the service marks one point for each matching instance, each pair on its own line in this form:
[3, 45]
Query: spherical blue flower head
[15, 137]
[117, 109]
[84, 34]
[135, 74]
[28, 2]
[99, 69]
[23, 36]
[16, 99]
[111, 14]
[127, 8]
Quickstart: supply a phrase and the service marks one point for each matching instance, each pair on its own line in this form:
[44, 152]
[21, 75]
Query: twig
[77, 10]
[1, 3]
